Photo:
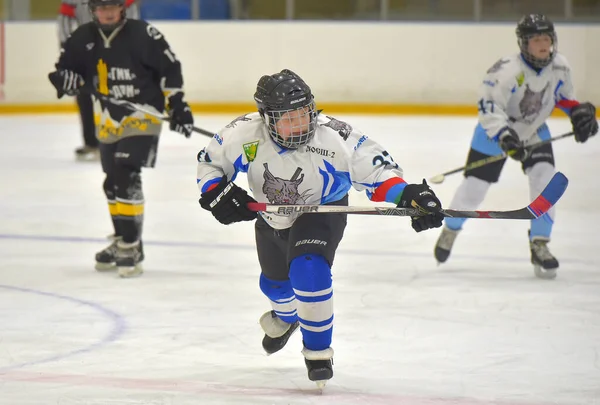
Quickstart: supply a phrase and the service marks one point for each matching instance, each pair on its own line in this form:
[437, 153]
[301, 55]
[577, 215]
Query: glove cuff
[176, 102]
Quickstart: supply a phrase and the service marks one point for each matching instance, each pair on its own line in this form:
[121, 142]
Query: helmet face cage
[532, 60]
[293, 128]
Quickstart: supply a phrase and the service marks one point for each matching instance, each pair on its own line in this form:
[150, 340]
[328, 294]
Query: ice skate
[443, 247]
[544, 264]
[319, 365]
[129, 259]
[106, 258]
[277, 332]
[87, 154]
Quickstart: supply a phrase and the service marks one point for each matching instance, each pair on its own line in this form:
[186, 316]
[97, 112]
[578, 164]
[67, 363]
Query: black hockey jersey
[134, 63]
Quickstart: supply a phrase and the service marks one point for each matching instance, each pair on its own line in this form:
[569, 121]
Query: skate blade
[92, 157]
[101, 267]
[539, 272]
[321, 384]
[129, 272]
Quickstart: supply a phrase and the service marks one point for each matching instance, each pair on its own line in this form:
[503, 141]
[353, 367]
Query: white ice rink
[478, 330]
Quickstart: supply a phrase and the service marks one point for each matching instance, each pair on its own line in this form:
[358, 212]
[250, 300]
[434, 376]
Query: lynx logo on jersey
[233, 123]
[497, 66]
[340, 126]
[250, 150]
[280, 191]
[532, 102]
[203, 156]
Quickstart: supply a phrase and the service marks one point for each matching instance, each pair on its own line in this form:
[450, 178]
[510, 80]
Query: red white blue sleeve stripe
[389, 191]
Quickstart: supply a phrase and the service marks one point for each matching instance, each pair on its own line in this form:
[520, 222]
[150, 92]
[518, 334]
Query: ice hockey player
[518, 94]
[293, 154]
[130, 60]
[72, 14]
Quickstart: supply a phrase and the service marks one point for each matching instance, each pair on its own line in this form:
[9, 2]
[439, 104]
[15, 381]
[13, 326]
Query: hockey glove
[511, 144]
[422, 197]
[182, 120]
[66, 82]
[583, 119]
[227, 202]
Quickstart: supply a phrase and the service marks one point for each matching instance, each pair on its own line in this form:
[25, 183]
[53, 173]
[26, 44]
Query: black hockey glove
[583, 118]
[422, 197]
[227, 202]
[511, 144]
[182, 120]
[66, 82]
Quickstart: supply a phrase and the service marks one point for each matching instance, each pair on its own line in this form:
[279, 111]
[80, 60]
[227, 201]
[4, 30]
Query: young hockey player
[518, 94]
[130, 60]
[72, 14]
[292, 154]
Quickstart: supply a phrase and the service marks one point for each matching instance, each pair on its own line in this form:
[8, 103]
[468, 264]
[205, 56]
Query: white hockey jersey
[516, 96]
[73, 13]
[337, 158]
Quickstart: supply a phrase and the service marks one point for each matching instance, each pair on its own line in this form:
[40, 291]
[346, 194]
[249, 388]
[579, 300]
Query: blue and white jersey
[336, 159]
[515, 95]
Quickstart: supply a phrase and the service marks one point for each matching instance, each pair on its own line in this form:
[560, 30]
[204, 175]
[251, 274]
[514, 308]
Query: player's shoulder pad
[143, 30]
[340, 133]
[83, 34]
[239, 130]
[560, 63]
[331, 124]
[505, 70]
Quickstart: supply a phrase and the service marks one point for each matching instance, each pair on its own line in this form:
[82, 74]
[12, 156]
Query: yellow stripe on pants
[112, 208]
[130, 210]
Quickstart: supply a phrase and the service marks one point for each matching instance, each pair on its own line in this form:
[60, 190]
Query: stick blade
[553, 191]
[437, 179]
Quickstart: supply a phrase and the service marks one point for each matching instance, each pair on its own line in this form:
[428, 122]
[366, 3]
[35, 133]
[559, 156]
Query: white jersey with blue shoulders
[515, 95]
[336, 159]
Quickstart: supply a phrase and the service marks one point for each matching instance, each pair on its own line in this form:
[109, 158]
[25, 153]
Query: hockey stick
[438, 179]
[136, 107]
[549, 196]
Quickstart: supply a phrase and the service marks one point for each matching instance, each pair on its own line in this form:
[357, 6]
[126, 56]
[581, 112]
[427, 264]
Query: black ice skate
[129, 258]
[87, 154]
[106, 258]
[443, 247]
[319, 365]
[544, 264]
[277, 332]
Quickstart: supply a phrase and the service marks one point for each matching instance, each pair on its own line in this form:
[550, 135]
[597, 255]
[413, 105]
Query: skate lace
[111, 249]
[133, 251]
[447, 239]
[541, 251]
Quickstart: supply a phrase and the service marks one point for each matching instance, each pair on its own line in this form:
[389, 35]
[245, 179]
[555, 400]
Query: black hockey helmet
[93, 4]
[536, 24]
[285, 96]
